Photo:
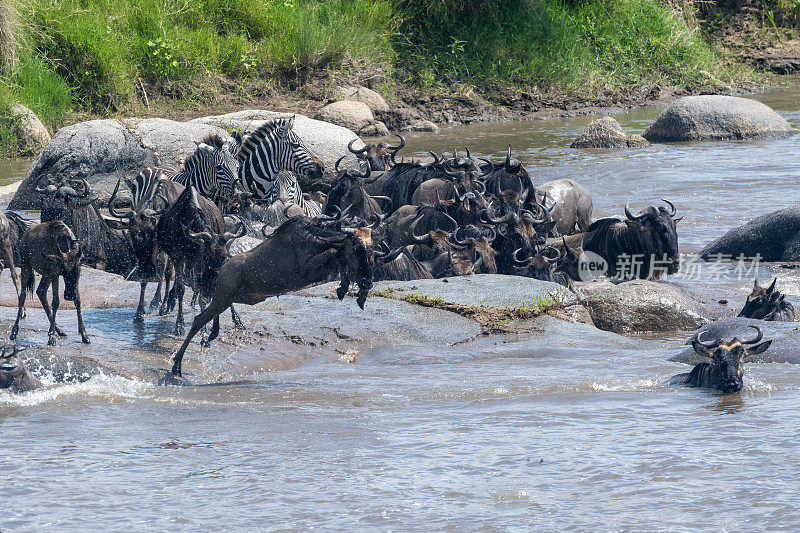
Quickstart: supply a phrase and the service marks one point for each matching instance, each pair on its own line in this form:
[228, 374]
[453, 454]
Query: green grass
[73, 58]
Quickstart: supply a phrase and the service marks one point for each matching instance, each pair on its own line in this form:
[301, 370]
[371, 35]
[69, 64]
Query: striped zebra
[211, 169]
[287, 190]
[269, 149]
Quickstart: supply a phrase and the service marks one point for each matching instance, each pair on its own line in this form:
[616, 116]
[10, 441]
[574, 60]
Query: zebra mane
[257, 136]
[214, 140]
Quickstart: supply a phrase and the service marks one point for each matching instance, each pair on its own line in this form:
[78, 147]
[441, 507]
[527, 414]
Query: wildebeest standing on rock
[642, 246]
[767, 303]
[192, 233]
[725, 369]
[14, 375]
[297, 254]
[51, 249]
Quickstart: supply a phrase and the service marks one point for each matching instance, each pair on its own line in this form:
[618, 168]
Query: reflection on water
[579, 435]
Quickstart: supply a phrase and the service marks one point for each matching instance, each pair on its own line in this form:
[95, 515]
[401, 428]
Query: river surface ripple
[580, 437]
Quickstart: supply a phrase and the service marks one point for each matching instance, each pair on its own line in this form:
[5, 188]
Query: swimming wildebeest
[725, 369]
[14, 375]
[767, 303]
[643, 246]
[52, 250]
[300, 252]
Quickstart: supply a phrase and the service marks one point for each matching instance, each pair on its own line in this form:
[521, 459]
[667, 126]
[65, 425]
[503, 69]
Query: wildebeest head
[58, 200]
[142, 233]
[540, 265]
[767, 303]
[379, 156]
[348, 193]
[14, 375]
[67, 262]
[214, 251]
[358, 256]
[727, 359]
[661, 224]
[569, 262]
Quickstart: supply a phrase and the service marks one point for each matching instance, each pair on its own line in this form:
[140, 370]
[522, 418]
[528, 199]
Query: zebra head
[271, 148]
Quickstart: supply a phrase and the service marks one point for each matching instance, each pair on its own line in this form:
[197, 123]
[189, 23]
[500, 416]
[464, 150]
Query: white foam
[99, 386]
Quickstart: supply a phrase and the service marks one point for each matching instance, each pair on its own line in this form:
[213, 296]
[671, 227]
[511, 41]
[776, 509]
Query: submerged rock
[785, 347]
[774, 236]
[103, 151]
[606, 132]
[640, 305]
[716, 117]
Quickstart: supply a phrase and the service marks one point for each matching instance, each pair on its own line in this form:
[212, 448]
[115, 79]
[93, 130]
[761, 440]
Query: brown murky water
[576, 435]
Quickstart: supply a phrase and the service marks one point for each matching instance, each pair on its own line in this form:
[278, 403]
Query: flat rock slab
[785, 347]
[483, 290]
[716, 117]
[644, 306]
[774, 236]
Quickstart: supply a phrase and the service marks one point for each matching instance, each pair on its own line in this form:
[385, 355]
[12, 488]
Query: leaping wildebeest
[725, 366]
[300, 252]
[52, 250]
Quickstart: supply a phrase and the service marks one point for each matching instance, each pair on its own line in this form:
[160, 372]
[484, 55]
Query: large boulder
[716, 117]
[774, 236]
[327, 141]
[33, 135]
[103, 151]
[607, 133]
[366, 96]
[785, 336]
[640, 305]
[355, 116]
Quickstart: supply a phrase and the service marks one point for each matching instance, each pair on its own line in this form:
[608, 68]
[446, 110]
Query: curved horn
[241, 230]
[435, 157]
[519, 262]
[672, 206]
[496, 221]
[482, 186]
[336, 166]
[550, 259]
[357, 152]
[758, 337]
[630, 215]
[205, 236]
[697, 338]
[772, 287]
[454, 239]
[365, 173]
[111, 208]
[419, 239]
[508, 157]
[468, 156]
[50, 189]
[489, 170]
[491, 239]
[396, 149]
[385, 199]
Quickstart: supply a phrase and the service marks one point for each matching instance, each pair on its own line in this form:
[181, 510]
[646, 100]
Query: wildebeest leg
[155, 303]
[168, 294]
[51, 335]
[214, 329]
[179, 291]
[237, 320]
[81, 328]
[205, 316]
[344, 285]
[8, 261]
[139, 316]
[27, 276]
[193, 303]
[41, 292]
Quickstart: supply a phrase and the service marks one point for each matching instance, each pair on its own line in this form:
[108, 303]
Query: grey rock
[327, 141]
[351, 115]
[376, 129]
[716, 117]
[774, 236]
[641, 305]
[785, 336]
[103, 151]
[421, 125]
[606, 132]
[33, 134]
[366, 96]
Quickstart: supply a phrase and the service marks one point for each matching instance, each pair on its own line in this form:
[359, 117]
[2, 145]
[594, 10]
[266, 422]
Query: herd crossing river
[573, 430]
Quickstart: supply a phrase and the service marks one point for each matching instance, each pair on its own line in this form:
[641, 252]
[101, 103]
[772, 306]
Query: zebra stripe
[211, 169]
[144, 186]
[269, 149]
[288, 190]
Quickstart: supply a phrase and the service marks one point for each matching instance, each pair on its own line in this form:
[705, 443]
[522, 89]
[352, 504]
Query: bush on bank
[105, 57]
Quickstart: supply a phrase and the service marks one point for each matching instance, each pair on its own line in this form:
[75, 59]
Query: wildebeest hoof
[85, 339]
[341, 292]
[138, 318]
[180, 331]
[60, 332]
[51, 340]
[171, 379]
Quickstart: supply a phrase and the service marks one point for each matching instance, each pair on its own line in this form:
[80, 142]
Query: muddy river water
[576, 435]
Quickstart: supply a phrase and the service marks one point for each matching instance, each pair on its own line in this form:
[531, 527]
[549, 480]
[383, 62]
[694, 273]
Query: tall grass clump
[582, 45]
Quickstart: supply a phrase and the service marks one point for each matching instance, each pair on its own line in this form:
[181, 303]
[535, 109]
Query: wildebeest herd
[256, 215]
